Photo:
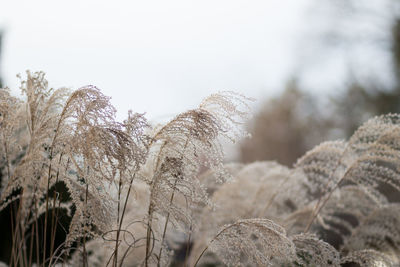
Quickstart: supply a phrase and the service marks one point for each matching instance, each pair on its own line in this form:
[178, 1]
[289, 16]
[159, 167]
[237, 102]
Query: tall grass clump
[338, 206]
[64, 150]
[83, 189]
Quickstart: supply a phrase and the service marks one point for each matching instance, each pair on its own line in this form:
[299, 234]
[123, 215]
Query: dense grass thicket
[79, 188]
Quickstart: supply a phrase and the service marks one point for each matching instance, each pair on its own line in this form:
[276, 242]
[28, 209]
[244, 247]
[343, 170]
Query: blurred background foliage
[296, 120]
[293, 122]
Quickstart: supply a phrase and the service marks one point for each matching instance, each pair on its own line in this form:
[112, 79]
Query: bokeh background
[317, 69]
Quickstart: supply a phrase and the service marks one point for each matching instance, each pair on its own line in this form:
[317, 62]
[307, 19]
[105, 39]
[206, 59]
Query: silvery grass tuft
[338, 206]
[73, 138]
[84, 189]
[70, 138]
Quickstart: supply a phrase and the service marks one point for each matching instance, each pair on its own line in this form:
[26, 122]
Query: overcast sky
[159, 57]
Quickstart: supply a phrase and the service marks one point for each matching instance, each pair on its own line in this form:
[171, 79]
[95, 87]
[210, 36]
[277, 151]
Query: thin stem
[170, 204]
[151, 206]
[212, 240]
[47, 204]
[17, 230]
[12, 231]
[21, 248]
[53, 224]
[126, 202]
[45, 220]
[6, 157]
[148, 234]
[55, 253]
[130, 246]
[31, 245]
[115, 261]
[318, 208]
[84, 254]
[51, 148]
[165, 227]
[188, 245]
[37, 235]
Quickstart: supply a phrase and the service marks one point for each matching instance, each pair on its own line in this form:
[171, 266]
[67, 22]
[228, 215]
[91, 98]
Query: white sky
[159, 57]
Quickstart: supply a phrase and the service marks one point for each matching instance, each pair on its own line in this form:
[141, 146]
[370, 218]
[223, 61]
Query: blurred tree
[284, 128]
[364, 99]
[292, 123]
